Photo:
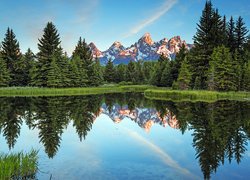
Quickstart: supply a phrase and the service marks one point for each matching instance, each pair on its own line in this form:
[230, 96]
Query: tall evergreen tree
[176, 63]
[83, 51]
[231, 42]
[23, 68]
[109, 73]
[156, 78]
[62, 62]
[240, 34]
[120, 73]
[11, 54]
[74, 74]
[97, 78]
[166, 77]
[246, 77]
[83, 77]
[4, 73]
[224, 73]
[204, 40]
[184, 77]
[49, 46]
[148, 70]
[131, 72]
[54, 75]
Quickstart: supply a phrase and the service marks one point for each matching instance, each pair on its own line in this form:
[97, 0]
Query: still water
[125, 136]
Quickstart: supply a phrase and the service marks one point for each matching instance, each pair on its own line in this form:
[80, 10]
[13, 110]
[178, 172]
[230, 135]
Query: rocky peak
[147, 39]
[116, 44]
[95, 51]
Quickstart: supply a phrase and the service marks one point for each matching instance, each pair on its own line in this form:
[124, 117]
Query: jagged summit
[144, 49]
[147, 39]
[95, 51]
[117, 44]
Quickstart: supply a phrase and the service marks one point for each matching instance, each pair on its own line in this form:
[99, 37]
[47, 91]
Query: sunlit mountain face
[218, 133]
[144, 49]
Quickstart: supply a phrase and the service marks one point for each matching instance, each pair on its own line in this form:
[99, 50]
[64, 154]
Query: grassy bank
[32, 91]
[19, 165]
[149, 91]
[192, 95]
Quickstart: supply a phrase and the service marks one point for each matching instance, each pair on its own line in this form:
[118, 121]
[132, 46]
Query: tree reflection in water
[221, 130]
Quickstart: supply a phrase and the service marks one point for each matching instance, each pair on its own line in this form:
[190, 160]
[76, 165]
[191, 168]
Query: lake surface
[125, 136]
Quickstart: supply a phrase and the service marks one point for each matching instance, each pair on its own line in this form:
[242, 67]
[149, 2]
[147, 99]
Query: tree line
[219, 60]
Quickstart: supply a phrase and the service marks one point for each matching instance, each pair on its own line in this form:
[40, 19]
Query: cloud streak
[156, 15]
[166, 158]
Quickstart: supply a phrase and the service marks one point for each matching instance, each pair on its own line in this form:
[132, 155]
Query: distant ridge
[144, 49]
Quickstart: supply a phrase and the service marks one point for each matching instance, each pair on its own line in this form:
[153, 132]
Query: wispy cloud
[156, 15]
[166, 158]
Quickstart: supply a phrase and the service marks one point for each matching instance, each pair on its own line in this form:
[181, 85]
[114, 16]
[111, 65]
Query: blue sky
[106, 21]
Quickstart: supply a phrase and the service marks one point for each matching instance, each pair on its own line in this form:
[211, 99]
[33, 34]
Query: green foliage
[184, 77]
[11, 55]
[23, 68]
[222, 70]
[157, 79]
[246, 76]
[4, 74]
[231, 41]
[210, 34]
[240, 34]
[131, 72]
[49, 46]
[74, 74]
[19, 165]
[54, 75]
[176, 63]
[109, 72]
[97, 76]
[120, 73]
[148, 70]
[166, 77]
[83, 51]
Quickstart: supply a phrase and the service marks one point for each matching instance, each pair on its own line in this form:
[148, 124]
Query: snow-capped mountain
[144, 49]
[144, 117]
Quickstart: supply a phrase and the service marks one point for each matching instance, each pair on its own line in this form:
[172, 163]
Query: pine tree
[83, 51]
[185, 76]
[204, 42]
[11, 54]
[176, 64]
[62, 62]
[97, 79]
[49, 46]
[218, 29]
[166, 77]
[74, 74]
[4, 73]
[231, 41]
[131, 72]
[159, 68]
[148, 70]
[246, 77]
[54, 75]
[224, 71]
[224, 31]
[109, 73]
[23, 68]
[139, 75]
[120, 73]
[81, 70]
[240, 35]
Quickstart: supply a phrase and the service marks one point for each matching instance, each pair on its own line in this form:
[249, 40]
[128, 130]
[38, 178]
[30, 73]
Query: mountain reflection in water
[220, 130]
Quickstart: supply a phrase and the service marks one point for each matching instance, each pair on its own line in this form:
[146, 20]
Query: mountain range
[144, 117]
[144, 49]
